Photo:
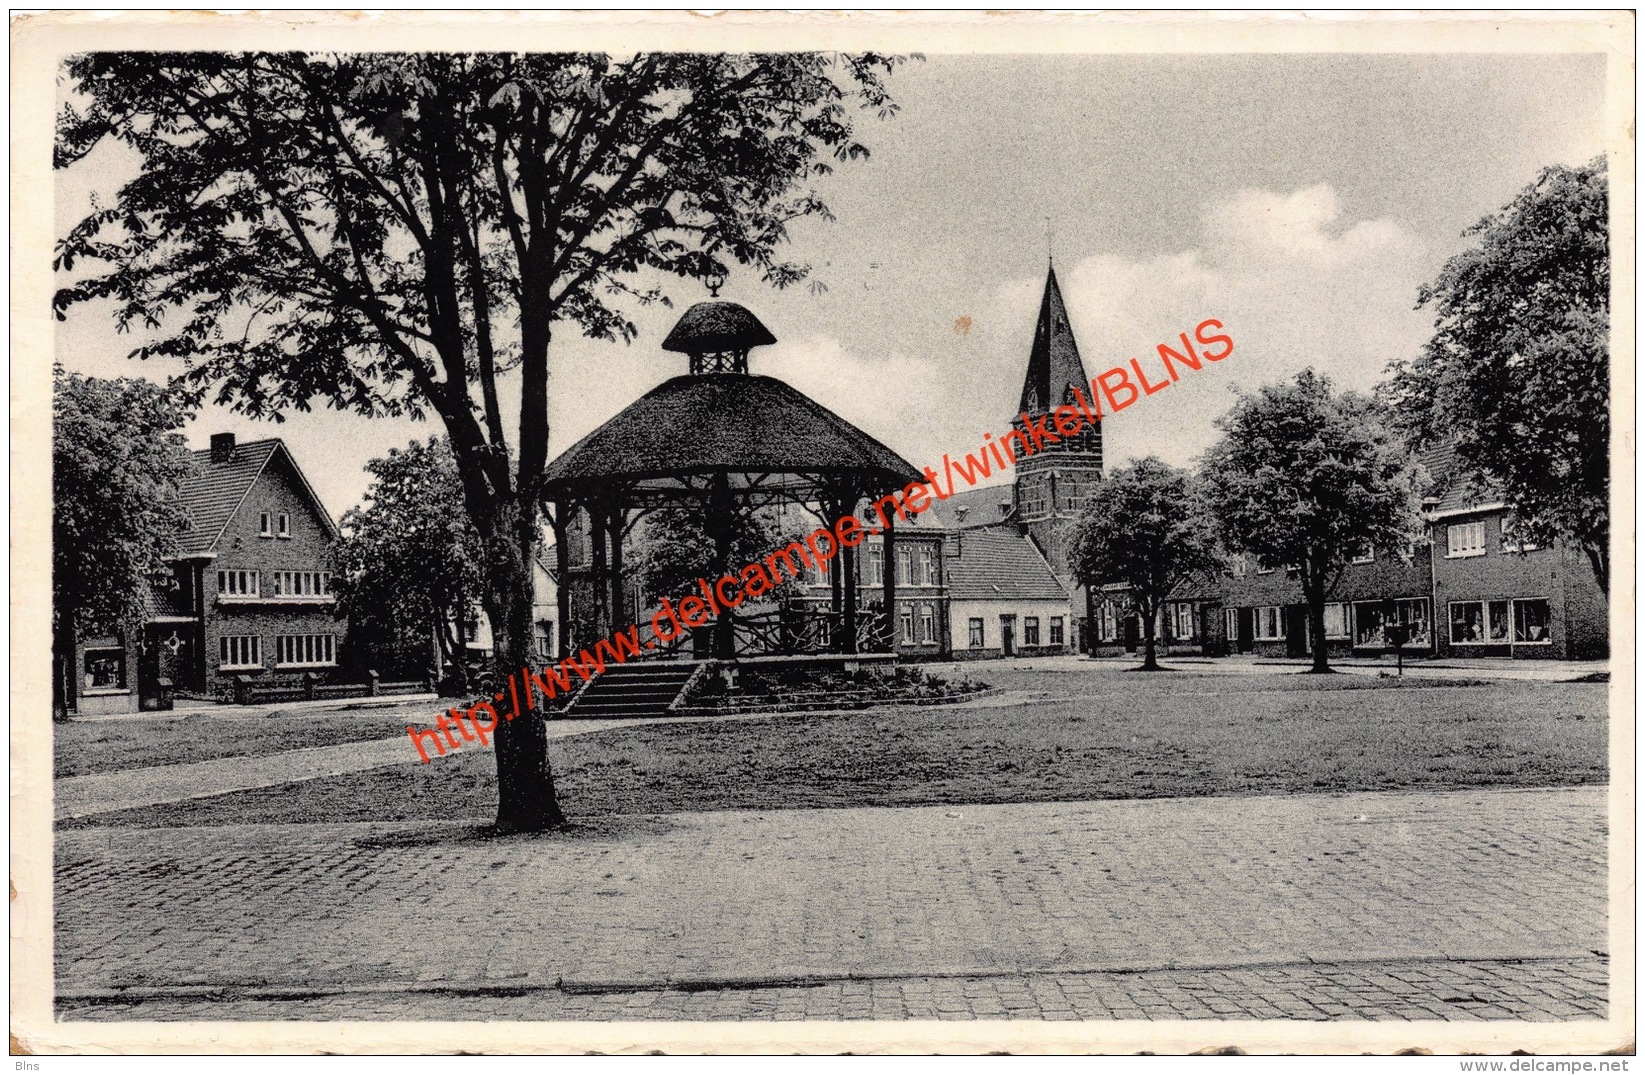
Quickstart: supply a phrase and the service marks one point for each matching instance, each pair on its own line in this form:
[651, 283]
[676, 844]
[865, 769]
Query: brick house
[1469, 589]
[250, 592]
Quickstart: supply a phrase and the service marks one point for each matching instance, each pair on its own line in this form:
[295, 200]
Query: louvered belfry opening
[727, 441]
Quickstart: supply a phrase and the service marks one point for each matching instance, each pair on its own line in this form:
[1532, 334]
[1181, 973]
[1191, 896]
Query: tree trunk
[62, 666]
[1599, 558]
[1315, 593]
[1150, 662]
[526, 801]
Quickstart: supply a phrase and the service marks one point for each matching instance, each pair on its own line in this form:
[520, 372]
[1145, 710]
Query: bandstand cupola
[718, 337]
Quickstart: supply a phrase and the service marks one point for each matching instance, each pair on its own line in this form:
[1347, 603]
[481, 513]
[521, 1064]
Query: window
[928, 625]
[1292, 569]
[904, 566]
[302, 584]
[1511, 541]
[265, 525]
[105, 668]
[285, 525]
[304, 649]
[545, 636]
[240, 651]
[1031, 630]
[1370, 617]
[1269, 626]
[1366, 555]
[1531, 621]
[1107, 623]
[1056, 630]
[1465, 539]
[239, 583]
[1264, 569]
[1230, 624]
[1239, 565]
[1336, 620]
[1413, 613]
[1181, 621]
[906, 619]
[928, 566]
[976, 641]
[876, 565]
[1479, 622]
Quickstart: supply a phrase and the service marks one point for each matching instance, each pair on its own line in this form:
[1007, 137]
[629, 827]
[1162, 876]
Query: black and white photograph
[820, 533]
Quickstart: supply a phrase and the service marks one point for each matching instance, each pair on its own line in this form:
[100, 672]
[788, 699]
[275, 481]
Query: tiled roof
[215, 490]
[982, 507]
[994, 564]
[1455, 489]
[740, 421]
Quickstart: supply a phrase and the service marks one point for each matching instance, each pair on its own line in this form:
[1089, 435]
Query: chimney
[222, 447]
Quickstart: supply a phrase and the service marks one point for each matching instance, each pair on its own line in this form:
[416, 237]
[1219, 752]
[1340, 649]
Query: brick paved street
[1377, 905]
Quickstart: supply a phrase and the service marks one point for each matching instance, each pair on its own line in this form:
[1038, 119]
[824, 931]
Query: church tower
[1052, 485]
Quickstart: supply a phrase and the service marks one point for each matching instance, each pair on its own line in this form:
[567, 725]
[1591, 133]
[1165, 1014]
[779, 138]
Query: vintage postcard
[832, 532]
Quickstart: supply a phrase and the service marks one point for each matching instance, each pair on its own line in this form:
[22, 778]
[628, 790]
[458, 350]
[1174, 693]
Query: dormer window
[284, 522]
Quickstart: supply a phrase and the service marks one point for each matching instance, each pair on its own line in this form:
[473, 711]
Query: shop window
[1413, 613]
[105, 669]
[1479, 622]
[1531, 621]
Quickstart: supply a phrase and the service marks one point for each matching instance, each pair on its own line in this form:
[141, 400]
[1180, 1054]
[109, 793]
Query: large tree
[1309, 478]
[1517, 373]
[118, 463]
[410, 561]
[392, 233]
[1143, 528]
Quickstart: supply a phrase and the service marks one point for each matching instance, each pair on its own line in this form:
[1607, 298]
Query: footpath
[1453, 905]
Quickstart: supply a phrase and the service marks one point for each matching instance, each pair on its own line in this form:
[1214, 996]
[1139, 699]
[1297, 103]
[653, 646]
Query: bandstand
[732, 442]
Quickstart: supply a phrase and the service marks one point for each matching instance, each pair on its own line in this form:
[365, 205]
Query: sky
[1302, 200]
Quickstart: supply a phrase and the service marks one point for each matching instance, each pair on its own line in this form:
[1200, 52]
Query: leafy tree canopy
[410, 563]
[1144, 528]
[118, 462]
[1517, 373]
[1307, 477]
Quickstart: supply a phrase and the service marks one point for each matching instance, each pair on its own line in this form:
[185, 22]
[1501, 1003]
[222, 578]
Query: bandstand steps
[638, 691]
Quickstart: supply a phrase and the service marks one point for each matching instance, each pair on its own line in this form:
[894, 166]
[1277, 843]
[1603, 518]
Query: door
[1133, 633]
[1008, 636]
[1247, 630]
[1296, 631]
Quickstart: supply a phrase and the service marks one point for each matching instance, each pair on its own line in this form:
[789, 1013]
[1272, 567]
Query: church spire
[1054, 365]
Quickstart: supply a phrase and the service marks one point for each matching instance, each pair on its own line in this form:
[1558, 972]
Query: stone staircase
[635, 690]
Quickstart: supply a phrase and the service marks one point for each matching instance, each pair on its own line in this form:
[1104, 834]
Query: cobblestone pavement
[1420, 991]
[704, 909]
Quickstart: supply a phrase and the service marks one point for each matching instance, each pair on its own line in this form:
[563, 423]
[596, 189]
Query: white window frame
[1264, 569]
[1369, 556]
[1056, 636]
[289, 585]
[316, 650]
[1030, 623]
[1230, 624]
[240, 578]
[265, 525]
[1184, 624]
[1513, 621]
[977, 633]
[1279, 623]
[282, 528]
[1456, 550]
[236, 646]
[928, 625]
[927, 567]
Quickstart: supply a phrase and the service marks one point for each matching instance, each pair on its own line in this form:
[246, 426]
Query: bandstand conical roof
[731, 422]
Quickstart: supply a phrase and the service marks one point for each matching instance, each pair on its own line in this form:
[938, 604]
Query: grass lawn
[105, 746]
[1101, 736]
